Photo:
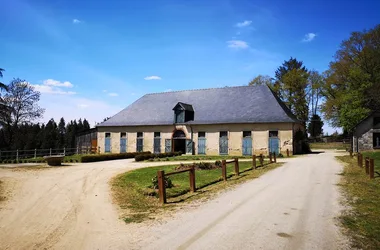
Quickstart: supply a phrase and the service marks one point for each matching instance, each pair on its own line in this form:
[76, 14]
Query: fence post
[287, 152]
[161, 186]
[50, 151]
[64, 151]
[253, 161]
[35, 153]
[192, 179]
[351, 153]
[261, 160]
[358, 155]
[270, 157]
[236, 166]
[367, 165]
[17, 155]
[98, 150]
[0, 154]
[372, 169]
[77, 150]
[274, 158]
[224, 170]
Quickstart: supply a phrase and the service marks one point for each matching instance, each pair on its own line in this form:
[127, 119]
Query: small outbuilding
[366, 134]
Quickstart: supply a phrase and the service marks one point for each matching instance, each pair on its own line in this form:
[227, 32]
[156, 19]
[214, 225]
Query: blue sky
[93, 58]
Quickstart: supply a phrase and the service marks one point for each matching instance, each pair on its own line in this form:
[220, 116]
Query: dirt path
[292, 207]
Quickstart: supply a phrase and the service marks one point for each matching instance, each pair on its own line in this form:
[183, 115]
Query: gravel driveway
[291, 207]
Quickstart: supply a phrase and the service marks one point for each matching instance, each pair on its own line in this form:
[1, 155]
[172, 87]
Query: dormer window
[183, 113]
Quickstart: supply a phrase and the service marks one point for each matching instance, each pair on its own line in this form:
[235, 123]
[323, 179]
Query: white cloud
[55, 83]
[75, 21]
[51, 86]
[244, 24]
[309, 37]
[83, 106]
[152, 78]
[237, 44]
[168, 90]
[105, 91]
[113, 94]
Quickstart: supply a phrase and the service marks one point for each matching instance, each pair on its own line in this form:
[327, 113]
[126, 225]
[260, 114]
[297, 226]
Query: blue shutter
[223, 145]
[157, 145]
[189, 147]
[274, 145]
[168, 145]
[247, 146]
[139, 144]
[123, 145]
[107, 144]
[201, 145]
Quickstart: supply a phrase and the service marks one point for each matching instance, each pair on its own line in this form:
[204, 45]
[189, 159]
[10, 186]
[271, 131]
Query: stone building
[366, 134]
[218, 121]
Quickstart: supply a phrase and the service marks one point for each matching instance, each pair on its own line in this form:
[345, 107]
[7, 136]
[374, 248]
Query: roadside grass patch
[362, 216]
[138, 201]
[2, 191]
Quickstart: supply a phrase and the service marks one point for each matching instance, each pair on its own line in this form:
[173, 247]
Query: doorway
[179, 141]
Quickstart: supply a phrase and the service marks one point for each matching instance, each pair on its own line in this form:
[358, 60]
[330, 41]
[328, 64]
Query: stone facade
[363, 136]
[260, 136]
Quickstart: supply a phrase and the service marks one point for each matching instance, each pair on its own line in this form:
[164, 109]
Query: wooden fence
[369, 165]
[161, 173]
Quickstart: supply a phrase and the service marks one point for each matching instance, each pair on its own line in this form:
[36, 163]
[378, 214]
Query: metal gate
[107, 144]
[157, 145]
[168, 145]
[202, 146]
[223, 145]
[247, 146]
[189, 146]
[274, 145]
[123, 145]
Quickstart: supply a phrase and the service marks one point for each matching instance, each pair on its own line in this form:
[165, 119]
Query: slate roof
[243, 104]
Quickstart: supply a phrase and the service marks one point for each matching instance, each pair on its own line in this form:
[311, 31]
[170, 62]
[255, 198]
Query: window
[183, 112]
[202, 134]
[376, 140]
[108, 135]
[273, 133]
[223, 134]
[123, 135]
[139, 142]
[247, 133]
[157, 134]
[107, 143]
[157, 143]
[179, 116]
[376, 121]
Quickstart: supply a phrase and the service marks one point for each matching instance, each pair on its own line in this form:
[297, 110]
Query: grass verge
[2, 191]
[362, 217]
[139, 202]
[199, 158]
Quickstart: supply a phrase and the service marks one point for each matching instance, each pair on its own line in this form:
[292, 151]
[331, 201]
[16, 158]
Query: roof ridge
[176, 91]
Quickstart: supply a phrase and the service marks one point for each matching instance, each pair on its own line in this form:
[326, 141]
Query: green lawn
[362, 216]
[132, 190]
[329, 145]
[374, 155]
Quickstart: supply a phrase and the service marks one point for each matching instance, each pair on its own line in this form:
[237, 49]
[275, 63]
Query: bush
[168, 182]
[143, 157]
[109, 157]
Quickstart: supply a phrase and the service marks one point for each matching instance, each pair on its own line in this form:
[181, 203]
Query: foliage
[167, 181]
[143, 157]
[315, 126]
[109, 157]
[261, 80]
[352, 86]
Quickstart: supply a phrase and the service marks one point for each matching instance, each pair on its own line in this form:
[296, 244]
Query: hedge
[144, 157]
[109, 157]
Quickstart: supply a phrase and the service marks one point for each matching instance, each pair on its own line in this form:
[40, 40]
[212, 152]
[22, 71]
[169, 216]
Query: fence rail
[369, 165]
[34, 153]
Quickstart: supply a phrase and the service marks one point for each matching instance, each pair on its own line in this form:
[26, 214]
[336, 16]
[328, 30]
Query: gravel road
[292, 207]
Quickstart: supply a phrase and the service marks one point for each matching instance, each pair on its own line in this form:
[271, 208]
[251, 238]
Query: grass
[2, 195]
[328, 145]
[200, 158]
[139, 202]
[362, 216]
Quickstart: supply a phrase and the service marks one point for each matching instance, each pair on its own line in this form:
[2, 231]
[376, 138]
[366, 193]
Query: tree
[86, 125]
[316, 82]
[261, 80]
[22, 106]
[2, 85]
[62, 132]
[352, 86]
[315, 126]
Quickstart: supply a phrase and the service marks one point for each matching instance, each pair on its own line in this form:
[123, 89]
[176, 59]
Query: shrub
[280, 155]
[71, 160]
[109, 157]
[168, 182]
[143, 157]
